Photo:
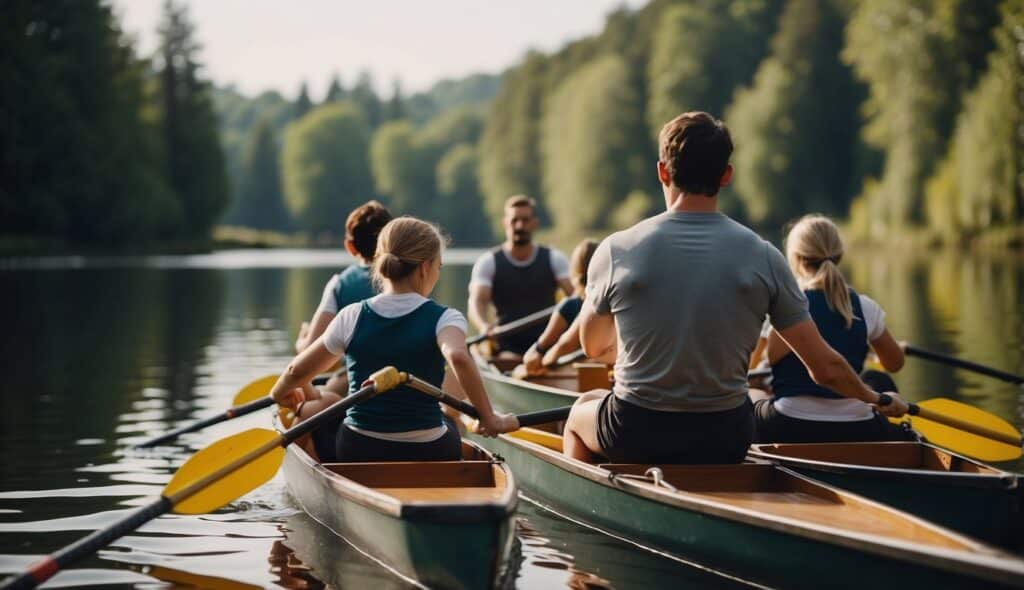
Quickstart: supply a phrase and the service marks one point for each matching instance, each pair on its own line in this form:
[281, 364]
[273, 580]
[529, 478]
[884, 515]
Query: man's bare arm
[479, 304]
[597, 332]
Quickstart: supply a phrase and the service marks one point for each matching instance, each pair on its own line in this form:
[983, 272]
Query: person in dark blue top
[400, 327]
[852, 324]
[352, 284]
[561, 336]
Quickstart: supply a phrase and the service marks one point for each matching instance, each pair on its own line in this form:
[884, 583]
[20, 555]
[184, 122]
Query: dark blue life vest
[354, 285]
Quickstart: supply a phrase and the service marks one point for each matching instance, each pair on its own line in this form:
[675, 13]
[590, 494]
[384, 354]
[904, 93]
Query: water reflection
[101, 356]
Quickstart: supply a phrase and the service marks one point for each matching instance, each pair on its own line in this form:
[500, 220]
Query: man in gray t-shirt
[682, 296]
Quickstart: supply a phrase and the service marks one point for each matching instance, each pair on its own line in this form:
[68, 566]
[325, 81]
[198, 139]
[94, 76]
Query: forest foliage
[897, 116]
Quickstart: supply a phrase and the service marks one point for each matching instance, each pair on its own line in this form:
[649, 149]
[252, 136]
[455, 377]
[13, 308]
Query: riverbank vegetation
[902, 118]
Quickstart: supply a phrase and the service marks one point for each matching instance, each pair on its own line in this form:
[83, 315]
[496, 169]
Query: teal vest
[790, 377]
[409, 343]
[354, 285]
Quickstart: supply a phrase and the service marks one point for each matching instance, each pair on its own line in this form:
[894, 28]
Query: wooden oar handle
[916, 410]
[961, 363]
[543, 416]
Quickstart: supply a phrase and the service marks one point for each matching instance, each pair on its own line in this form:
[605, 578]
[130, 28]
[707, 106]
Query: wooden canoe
[757, 520]
[950, 489]
[446, 524]
[556, 389]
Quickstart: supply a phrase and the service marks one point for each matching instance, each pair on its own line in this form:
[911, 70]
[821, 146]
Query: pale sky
[272, 44]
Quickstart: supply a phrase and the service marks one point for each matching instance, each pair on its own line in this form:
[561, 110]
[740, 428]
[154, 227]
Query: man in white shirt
[518, 278]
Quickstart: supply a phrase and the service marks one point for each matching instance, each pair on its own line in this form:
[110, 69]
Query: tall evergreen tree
[78, 158]
[365, 97]
[796, 128]
[302, 104]
[195, 163]
[395, 107]
[335, 91]
[261, 203]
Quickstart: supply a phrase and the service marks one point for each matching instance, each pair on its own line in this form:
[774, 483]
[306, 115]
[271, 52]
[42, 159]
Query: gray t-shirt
[689, 292]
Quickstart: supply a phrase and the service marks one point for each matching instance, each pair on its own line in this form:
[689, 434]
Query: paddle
[514, 326]
[250, 398]
[527, 419]
[962, 364]
[964, 429]
[565, 359]
[210, 479]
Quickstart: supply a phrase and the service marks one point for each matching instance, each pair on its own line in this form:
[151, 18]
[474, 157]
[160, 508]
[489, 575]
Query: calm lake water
[102, 353]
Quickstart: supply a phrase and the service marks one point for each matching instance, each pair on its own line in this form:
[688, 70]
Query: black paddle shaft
[45, 568]
[953, 361]
[228, 414]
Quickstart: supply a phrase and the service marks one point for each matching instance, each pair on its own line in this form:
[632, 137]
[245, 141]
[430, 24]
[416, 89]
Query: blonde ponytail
[814, 249]
[404, 244]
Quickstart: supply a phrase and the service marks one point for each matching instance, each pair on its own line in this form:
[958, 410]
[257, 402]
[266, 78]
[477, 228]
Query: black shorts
[337, 443]
[773, 426]
[629, 433]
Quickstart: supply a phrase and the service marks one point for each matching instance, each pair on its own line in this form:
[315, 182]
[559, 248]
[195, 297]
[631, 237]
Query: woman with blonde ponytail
[801, 410]
[401, 327]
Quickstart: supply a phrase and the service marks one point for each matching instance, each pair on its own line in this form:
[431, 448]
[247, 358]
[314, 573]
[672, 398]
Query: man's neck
[681, 202]
[519, 252]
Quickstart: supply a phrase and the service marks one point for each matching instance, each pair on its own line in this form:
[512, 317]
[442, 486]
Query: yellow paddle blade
[961, 441]
[255, 390]
[236, 481]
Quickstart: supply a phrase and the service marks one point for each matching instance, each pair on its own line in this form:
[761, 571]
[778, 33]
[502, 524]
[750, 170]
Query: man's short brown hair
[695, 149]
[521, 201]
[363, 226]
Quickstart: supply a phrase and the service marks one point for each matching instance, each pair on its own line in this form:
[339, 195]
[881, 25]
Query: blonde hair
[814, 249]
[404, 244]
[579, 263]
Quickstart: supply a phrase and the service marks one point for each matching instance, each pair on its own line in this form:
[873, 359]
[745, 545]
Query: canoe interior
[759, 489]
[434, 482]
[581, 376]
[898, 455]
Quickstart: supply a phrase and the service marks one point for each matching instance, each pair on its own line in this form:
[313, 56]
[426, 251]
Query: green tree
[509, 146]
[79, 157]
[335, 91]
[395, 107]
[460, 204]
[701, 51]
[399, 170]
[302, 104]
[261, 204]
[796, 128]
[591, 163]
[365, 97]
[195, 163]
[979, 185]
[324, 166]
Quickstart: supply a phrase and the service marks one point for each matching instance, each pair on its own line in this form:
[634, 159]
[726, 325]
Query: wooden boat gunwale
[991, 478]
[981, 560]
[367, 496]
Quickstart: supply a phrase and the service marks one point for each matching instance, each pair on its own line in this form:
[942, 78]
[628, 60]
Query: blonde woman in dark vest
[852, 324]
[402, 327]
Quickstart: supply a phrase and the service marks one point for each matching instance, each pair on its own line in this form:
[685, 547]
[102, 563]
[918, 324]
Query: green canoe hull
[520, 397]
[437, 554]
[764, 555]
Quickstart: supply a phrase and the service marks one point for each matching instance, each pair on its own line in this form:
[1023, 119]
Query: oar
[962, 364]
[527, 419]
[514, 326]
[210, 479]
[250, 398]
[964, 429]
[566, 359]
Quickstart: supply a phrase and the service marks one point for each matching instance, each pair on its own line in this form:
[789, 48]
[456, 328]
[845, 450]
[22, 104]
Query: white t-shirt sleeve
[327, 301]
[339, 331]
[559, 264]
[483, 271]
[452, 317]
[874, 317]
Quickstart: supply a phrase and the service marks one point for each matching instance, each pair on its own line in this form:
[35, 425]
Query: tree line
[896, 116]
[99, 145]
